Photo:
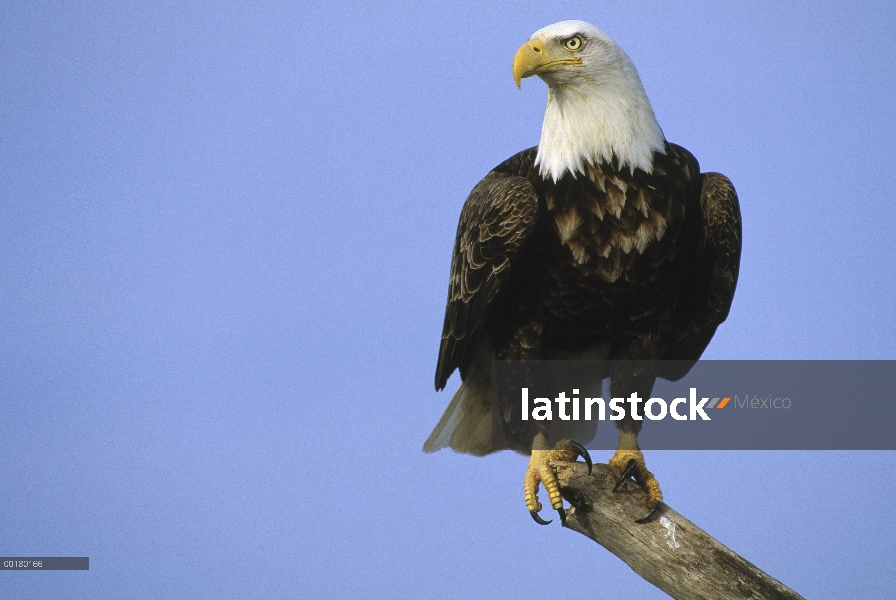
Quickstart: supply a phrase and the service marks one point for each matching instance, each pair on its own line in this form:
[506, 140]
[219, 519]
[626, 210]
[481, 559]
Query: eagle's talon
[541, 471]
[581, 451]
[538, 518]
[650, 513]
[635, 467]
[629, 469]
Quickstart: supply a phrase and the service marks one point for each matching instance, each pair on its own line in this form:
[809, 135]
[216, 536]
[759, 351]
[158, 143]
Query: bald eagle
[604, 241]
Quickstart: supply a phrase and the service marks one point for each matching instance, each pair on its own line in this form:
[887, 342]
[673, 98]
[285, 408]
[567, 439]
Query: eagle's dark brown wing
[710, 291]
[498, 217]
[721, 255]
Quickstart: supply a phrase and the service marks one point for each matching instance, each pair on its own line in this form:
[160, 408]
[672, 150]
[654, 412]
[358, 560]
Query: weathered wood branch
[668, 551]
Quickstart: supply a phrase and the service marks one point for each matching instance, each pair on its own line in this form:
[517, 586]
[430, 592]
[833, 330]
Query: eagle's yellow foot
[631, 464]
[540, 470]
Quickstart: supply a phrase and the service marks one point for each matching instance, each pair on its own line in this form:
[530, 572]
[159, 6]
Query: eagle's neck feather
[593, 122]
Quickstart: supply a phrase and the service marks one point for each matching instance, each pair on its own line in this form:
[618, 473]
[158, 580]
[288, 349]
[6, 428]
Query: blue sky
[225, 234]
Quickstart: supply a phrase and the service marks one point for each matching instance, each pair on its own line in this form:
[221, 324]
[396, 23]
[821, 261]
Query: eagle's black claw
[629, 469]
[650, 513]
[562, 512]
[581, 451]
[538, 518]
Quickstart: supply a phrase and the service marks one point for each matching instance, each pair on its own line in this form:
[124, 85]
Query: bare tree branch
[668, 551]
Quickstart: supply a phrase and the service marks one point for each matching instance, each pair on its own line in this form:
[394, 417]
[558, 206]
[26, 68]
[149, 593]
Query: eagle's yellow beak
[528, 60]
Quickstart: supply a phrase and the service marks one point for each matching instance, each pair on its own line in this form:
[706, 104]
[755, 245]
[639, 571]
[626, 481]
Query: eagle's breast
[617, 241]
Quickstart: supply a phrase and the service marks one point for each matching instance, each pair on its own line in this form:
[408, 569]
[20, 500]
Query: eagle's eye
[574, 44]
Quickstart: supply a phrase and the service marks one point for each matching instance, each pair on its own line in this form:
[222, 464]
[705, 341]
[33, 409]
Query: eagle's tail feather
[467, 424]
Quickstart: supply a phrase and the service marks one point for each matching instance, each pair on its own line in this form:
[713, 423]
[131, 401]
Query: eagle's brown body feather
[642, 264]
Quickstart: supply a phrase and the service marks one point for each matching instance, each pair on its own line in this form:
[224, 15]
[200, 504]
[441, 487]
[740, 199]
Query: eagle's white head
[597, 109]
